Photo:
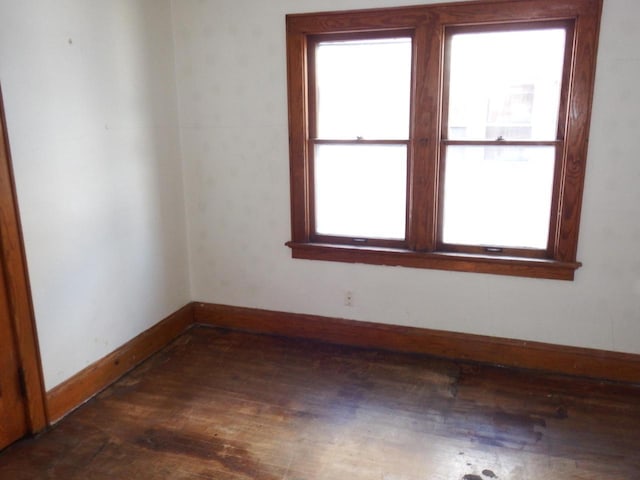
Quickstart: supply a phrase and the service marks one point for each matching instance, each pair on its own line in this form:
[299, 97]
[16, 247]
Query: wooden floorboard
[218, 404]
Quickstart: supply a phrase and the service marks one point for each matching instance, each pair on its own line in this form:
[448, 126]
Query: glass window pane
[498, 196]
[363, 89]
[360, 190]
[505, 84]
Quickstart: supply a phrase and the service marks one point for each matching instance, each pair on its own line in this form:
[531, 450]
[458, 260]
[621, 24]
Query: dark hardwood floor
[228, 405]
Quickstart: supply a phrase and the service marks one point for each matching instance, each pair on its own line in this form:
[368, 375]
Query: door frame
[19, 289]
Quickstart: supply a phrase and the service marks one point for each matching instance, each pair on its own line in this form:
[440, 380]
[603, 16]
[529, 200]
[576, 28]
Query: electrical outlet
[348, 298]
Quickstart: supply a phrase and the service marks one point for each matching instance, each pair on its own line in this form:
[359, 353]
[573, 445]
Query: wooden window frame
[429, 26]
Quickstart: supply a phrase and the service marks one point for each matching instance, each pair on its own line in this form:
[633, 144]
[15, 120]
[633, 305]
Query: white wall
[231, 74]
[90, 95]
[90, 98]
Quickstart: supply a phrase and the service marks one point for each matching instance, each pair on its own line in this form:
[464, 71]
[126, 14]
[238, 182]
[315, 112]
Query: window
[500, 136]
[361, 94]
[444, 136]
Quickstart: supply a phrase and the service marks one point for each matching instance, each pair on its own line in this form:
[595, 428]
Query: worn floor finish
[225, 405]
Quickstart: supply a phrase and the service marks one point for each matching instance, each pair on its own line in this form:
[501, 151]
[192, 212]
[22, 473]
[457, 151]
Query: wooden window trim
[427, 25]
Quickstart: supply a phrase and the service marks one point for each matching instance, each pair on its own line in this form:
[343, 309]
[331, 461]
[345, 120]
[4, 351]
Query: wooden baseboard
[583, 362]
[85, 384]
